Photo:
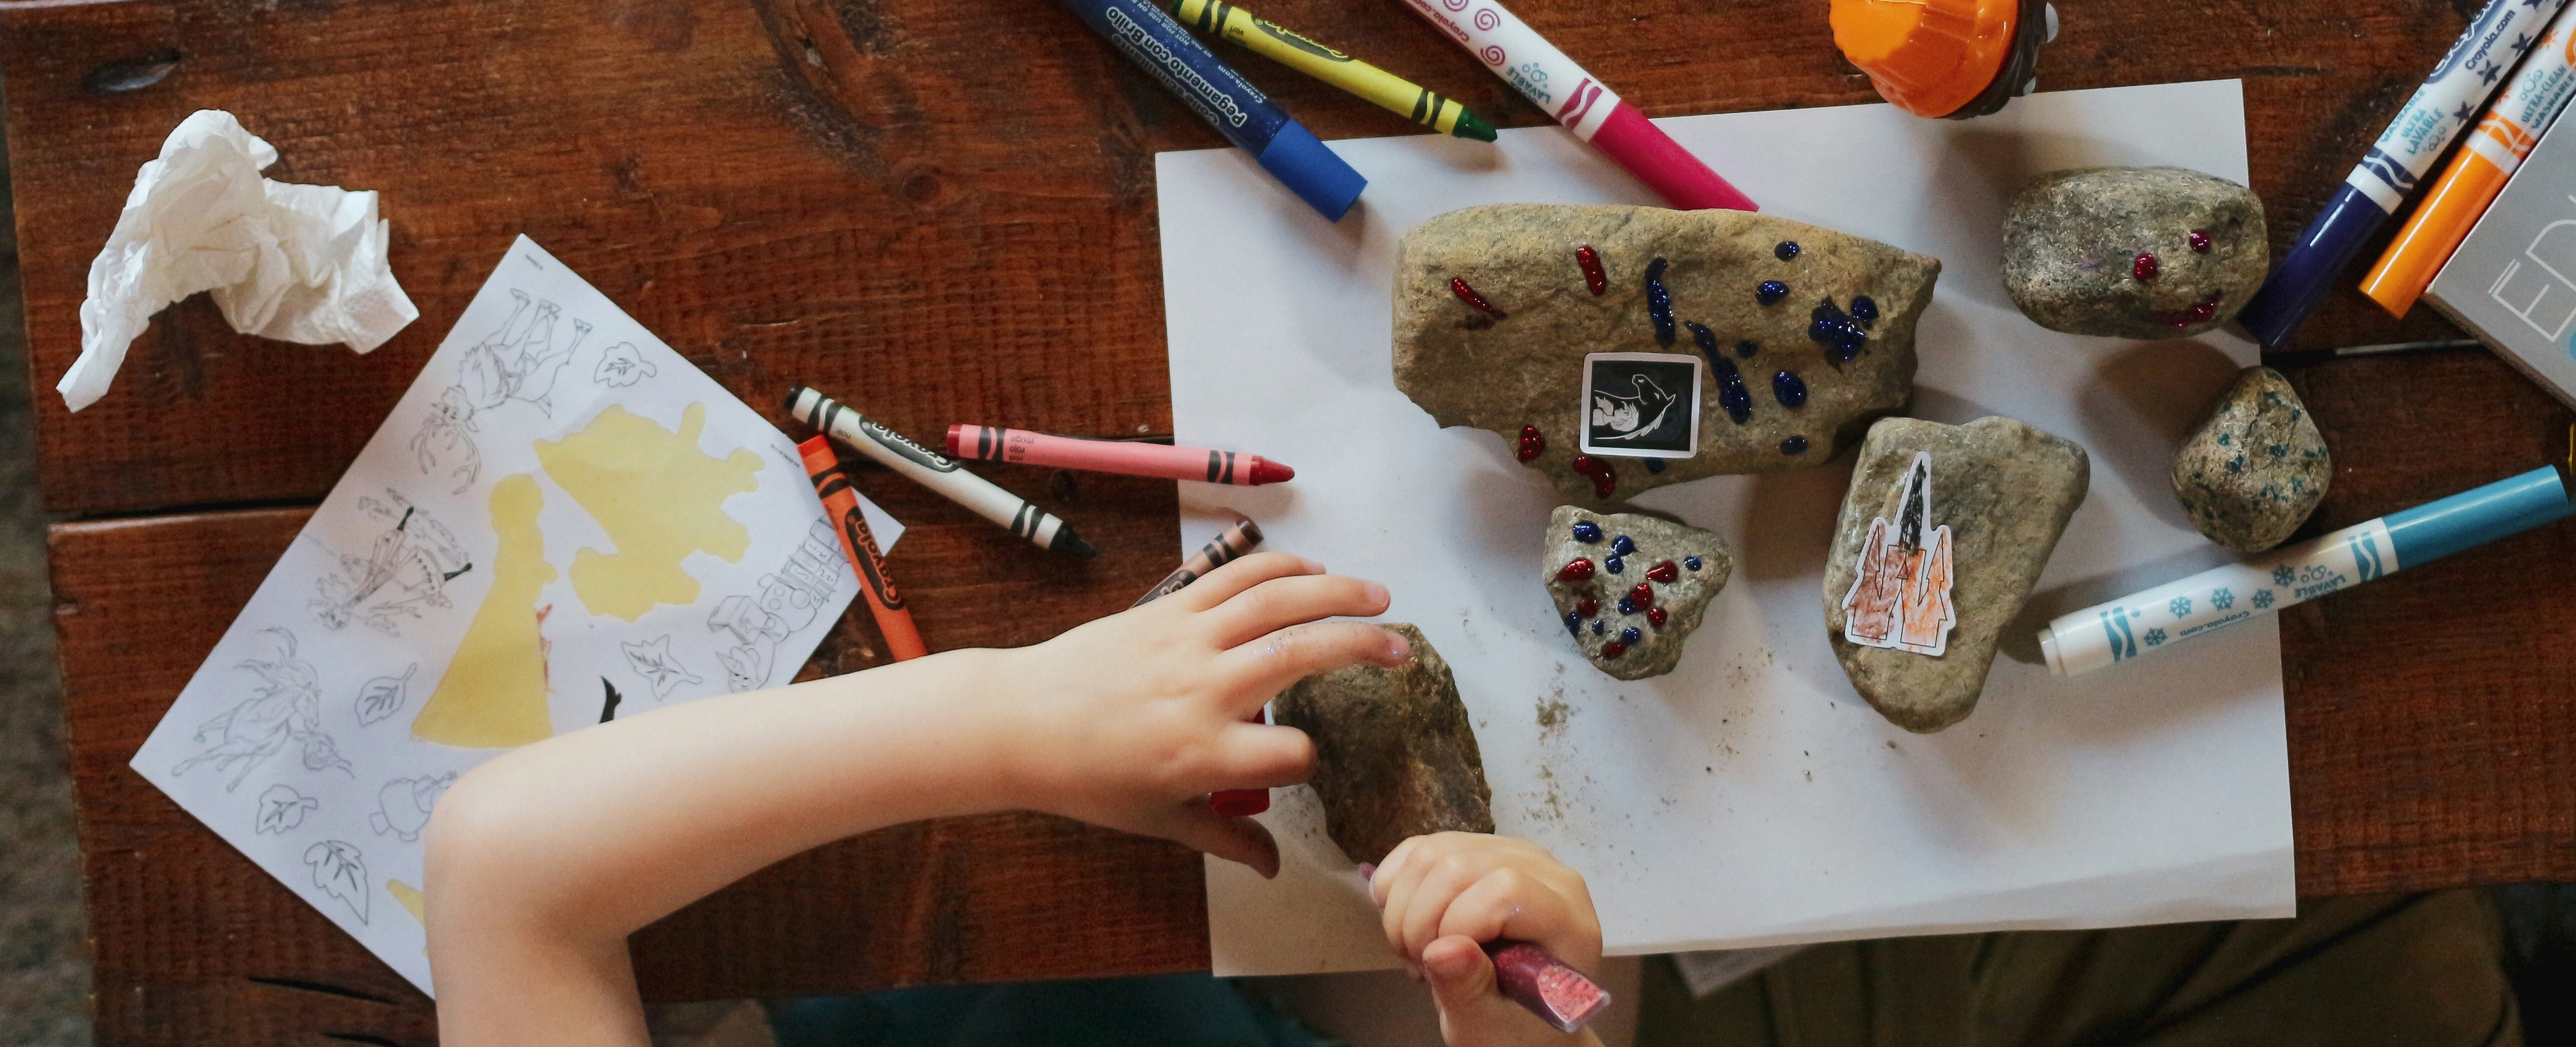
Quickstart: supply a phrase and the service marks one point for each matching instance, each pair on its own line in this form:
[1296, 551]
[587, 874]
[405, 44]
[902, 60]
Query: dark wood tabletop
[948, 210]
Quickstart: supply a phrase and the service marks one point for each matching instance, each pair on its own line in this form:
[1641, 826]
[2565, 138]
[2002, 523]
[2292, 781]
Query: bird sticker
[1641, 405]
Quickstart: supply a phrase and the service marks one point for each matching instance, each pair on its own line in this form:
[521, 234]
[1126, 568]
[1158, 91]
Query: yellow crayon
[1390, 92]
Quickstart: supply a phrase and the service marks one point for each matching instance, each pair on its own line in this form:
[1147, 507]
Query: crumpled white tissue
[298, 263]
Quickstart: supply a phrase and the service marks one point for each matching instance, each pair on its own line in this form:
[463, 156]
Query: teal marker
[2146, 622]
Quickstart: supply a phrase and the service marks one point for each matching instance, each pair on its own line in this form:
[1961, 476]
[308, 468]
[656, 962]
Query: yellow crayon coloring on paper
[1386, 90]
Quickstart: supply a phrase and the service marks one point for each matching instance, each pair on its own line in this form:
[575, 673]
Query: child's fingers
[1265, 757]
[1240, 840]
[1221, 584]
[1259, 670]
[1507, 903]
[1282, 602]
[1439, 890]
[1461, 976]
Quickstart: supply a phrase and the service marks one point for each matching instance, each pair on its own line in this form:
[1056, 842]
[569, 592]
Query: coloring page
[562, 522]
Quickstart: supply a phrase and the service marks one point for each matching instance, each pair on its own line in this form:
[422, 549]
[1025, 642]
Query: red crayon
[993, 444]
[1236, 541]
[860, 545]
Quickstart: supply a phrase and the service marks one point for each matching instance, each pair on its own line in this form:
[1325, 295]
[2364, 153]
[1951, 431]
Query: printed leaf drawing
[517, 361]
[621, 365]
[403, 805]
[384, 696]
[655, 663]
[341, 872]
[789, 600]
[282, 808]
[288, 708]
[1901, 599]
[404, 573]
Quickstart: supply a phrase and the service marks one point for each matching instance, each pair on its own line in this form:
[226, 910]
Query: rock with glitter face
[2133, 252]
[1837, 319]
[1629, 587]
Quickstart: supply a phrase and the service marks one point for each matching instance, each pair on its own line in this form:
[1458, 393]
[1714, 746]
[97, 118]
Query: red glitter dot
[1612, 650]
[2201, 312]
[1468, 295]
[1656, 617]
[1593, 277]
[2144, 268]
[1604, 480]
[1533, 444]
[2199, 241]
[1587, 608]
[1665, 572]
[1579, 570]
[1643, 595]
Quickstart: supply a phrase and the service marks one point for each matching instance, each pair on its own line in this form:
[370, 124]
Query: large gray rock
[2004, 491]
[1640, 589]
[1840, 327]
[1394, 755]
[2256, 467]
[2133, 252]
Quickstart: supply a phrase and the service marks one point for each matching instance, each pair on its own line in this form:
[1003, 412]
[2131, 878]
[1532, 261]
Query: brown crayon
[902, 638]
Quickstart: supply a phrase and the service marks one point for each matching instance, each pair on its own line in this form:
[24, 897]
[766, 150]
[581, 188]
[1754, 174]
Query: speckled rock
[2003, 491]
[2133, 252]
[1630, 587]
[2253, 470]
[1806, 335]
[1394, 754]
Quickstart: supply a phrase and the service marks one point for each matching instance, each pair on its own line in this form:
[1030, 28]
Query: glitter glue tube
[2158, 618]
[2477, 173]
[876, 584]
[937, 472]
[1185, 67]
[1219, 551]
[2430, 121]
[1514, 51]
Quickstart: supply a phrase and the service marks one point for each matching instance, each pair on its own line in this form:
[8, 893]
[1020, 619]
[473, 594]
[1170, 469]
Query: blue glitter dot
[1659, 302]
[1788, 249]
[1731, 393]
[1655, 466]
[1573, 622]
[1834, 329]
[1706, 338]
[1631, 635]
[1622, 545]
[1771, 292]
[1747, 348]
[1627, 606]
[1614, 565]
[1794, 445]
[1587, 532]
[1597, 628]
[1790, 389]
[1691, 562]
[1864, 308]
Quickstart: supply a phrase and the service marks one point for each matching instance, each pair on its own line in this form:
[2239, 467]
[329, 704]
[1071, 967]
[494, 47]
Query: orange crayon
[860, 545]
[2478, 172]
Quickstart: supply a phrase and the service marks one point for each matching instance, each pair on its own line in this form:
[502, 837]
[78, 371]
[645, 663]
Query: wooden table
[948, 209]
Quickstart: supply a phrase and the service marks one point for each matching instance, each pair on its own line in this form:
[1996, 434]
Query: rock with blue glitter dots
[1524, 369]
[1631, 637]
[2256, 467]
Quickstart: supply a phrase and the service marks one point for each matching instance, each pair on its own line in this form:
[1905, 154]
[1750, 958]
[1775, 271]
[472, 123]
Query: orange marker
[860, 545]
[1945, 58]
[2513, 125]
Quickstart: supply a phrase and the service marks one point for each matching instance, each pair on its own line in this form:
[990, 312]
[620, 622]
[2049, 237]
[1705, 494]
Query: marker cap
[1646, 152]
[1311, 170]
[1942, 57]
[2434, 231]
[2507, 506]
[2303, 275]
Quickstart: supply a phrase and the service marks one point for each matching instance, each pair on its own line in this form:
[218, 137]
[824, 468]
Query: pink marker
[1515, 52]
[993, 444]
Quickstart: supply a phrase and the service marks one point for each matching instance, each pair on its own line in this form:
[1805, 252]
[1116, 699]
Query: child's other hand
[1442, 896]
[1132, 720]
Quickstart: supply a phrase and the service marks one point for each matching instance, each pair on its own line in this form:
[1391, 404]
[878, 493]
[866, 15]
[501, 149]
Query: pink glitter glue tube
[1514, 51]
[1534, 978]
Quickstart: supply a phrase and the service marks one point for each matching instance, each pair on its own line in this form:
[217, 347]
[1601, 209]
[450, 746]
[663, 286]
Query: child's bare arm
[543, 861]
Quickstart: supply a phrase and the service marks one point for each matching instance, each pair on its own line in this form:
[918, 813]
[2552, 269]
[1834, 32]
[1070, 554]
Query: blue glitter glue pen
[2214, 599]
[2450, 100]
[1292, 154]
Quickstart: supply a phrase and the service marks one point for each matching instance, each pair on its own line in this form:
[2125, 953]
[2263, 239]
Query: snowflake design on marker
[2283, 575]
[2180, 606]
[2222, 599]
[2154, 637]
[2263, 598]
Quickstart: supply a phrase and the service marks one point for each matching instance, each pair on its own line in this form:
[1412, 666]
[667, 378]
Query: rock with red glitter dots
[1626, 628]
[2133, 252]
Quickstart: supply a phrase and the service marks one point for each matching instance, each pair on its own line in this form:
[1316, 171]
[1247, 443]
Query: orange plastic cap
[1929, 57]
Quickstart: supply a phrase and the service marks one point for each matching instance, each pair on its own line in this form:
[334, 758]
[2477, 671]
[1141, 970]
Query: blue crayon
[2450, 100]
[1292, 154]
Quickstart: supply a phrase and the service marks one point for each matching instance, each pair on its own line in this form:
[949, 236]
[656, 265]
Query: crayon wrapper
[1159, 45]
[1524, 59]
[2145, 622]
[2458, 88]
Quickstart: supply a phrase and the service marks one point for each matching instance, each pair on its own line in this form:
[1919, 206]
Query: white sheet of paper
[1750, 797]
[295, 741]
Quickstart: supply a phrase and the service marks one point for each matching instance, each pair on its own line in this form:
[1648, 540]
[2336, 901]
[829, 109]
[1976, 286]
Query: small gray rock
[2004, 491]
[1679, 568]
[2256, 467]
[2133, 252]
[1839, 327]
[1394, 755]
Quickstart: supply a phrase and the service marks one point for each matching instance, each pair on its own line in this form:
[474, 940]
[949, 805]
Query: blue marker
[2142, 623]
[1151, 39]
[2450, 100]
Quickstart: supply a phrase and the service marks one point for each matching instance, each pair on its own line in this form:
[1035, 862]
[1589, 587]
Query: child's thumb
[1461, 976]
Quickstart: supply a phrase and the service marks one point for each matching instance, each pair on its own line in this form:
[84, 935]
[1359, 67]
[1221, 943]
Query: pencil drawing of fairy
[404, 572]
[287, 709]
[517, 361]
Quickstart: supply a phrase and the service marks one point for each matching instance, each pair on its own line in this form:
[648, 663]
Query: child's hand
[1442, 896]
[1135, 718]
